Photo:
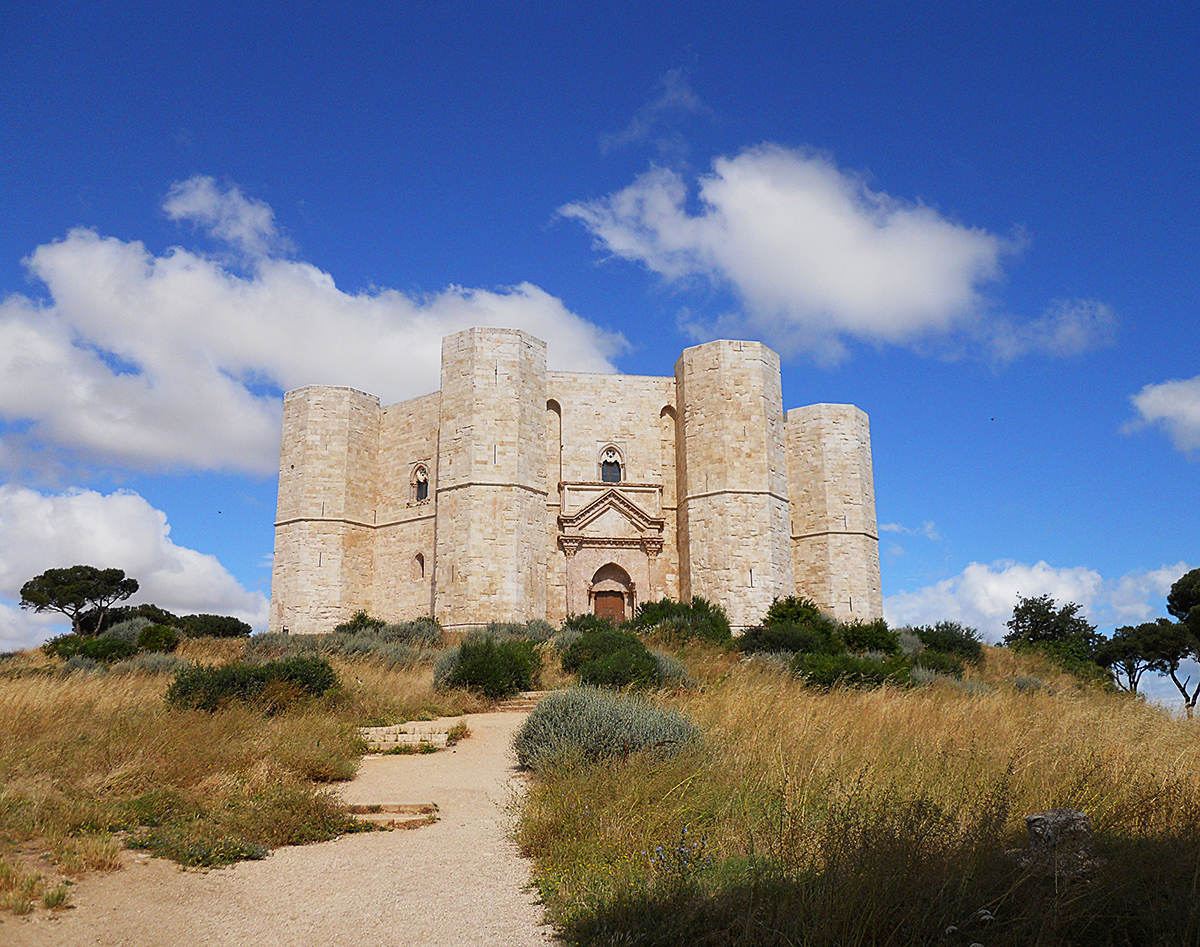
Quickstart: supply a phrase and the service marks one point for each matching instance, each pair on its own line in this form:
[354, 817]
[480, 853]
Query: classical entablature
[607, 517]
[610, 533]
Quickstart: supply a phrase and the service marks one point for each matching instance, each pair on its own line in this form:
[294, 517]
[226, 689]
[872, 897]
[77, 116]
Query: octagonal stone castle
[515, 493]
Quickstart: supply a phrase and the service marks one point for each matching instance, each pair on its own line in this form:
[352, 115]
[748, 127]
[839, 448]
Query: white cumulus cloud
[1175, 407]
[174, 360]
[118, 530]
[227, 214]
[817, 257]
[983, 596]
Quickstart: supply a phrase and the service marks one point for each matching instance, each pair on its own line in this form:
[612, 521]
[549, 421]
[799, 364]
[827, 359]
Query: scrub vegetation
[95, 759]
[851, 815]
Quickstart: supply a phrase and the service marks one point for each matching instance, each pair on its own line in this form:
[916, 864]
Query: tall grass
[876, 817]
[89, 758]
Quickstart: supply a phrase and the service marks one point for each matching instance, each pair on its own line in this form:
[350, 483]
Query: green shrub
[941, 661]
[495, 669]
[951, 637]
[127, 630]
[359, 621]
[90, 621]
[213, 626]
[785, 636]
[849, 670]
[275, 684]
[794, 611]
[870, 636]
[158, 638]
[683, 621]
[611, 657]
[586, 622]
[594, 724]
[104, 650]
[625, 668]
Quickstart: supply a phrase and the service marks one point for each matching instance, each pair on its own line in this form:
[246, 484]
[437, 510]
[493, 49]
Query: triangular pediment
[611, 514]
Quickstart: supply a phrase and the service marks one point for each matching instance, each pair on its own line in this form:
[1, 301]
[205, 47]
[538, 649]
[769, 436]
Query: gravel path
[457, 882]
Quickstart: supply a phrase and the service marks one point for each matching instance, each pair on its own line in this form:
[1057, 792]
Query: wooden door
[610, 605]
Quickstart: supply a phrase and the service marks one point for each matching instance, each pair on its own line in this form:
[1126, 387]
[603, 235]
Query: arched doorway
[611, 592]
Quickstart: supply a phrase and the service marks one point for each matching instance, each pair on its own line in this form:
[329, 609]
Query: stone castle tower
[515, 493]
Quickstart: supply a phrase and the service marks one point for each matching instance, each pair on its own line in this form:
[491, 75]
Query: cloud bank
[983, 596]
[816, 258]
[50, 531]
[1173, 406]
[172, 361]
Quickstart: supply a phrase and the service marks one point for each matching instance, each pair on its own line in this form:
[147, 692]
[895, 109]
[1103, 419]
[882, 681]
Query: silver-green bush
[127, 630]
[565, 638]
[593, 724]
[671, 672]
[150, 662]
[444, 667]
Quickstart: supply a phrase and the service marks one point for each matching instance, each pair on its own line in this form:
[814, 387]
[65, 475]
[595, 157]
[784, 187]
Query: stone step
[382, 739]
[393, 816]
[522, 702]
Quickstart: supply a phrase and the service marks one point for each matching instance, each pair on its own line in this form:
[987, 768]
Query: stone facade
[515, 493]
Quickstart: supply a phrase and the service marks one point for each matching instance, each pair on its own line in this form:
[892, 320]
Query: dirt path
[457, 882]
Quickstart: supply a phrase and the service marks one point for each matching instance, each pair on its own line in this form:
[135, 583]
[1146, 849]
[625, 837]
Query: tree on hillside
[76, 590]
[1167, 646]
[1038, 623]
[1183, 601]
[1132, 651]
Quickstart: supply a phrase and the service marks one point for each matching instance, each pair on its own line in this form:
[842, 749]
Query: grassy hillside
[91, 761]
[877, 817]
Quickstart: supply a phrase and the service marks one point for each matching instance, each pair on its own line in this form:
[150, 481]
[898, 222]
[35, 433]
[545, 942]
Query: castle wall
[405, 535]
[834, 536]
[720, 496]
[624, 411]
[491, 490]
[324, 550]
[733, 508]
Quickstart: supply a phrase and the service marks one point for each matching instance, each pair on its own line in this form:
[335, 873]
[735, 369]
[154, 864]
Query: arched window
[610, 465]
[420, 484]
[418, 571]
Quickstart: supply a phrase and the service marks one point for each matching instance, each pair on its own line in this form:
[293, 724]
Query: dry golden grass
[876, 816]
[88, 759]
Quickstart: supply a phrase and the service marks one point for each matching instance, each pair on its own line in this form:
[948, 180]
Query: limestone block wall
[733, 500]
[324, 550]
[636, 414]
[491, 490]
[405, 535]
[834, 535]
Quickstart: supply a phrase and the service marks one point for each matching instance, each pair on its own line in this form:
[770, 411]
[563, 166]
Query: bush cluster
[212, 626]
[100, 650]
[400, 643]
[683, 621]
[951, 637]
[593, 724]
[611, 657]
[274, 685]
[850, 670]
[824, 651]
[495, 669]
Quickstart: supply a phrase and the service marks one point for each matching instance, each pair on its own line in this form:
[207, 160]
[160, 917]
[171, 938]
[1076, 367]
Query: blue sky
[976, 222]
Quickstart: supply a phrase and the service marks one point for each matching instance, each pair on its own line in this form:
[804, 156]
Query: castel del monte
[517, 493]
